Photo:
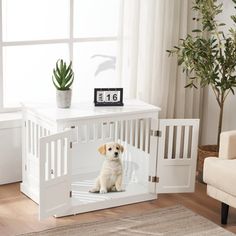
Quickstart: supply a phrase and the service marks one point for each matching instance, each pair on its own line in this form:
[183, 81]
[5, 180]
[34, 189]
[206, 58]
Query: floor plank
[18, 214]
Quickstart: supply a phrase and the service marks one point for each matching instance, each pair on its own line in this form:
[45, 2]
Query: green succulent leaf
[63, 75]
[55, 84]
[70, 83]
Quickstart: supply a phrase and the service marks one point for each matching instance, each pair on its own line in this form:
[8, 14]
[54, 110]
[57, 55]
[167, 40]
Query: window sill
[10, 120]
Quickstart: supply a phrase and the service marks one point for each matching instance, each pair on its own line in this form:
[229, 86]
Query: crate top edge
[87, 110]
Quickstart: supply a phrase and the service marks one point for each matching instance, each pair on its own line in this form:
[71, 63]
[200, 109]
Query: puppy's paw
[120, 190]
[113, 189]
[94, 190]
[102, 191]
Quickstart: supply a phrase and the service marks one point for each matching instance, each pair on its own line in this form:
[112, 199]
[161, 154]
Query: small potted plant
[208, 57]
[63, 77]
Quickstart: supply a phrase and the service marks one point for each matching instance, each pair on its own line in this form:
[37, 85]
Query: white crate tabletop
[87, 110]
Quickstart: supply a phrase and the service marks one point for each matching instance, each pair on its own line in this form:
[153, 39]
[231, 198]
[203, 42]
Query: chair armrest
[228, 145]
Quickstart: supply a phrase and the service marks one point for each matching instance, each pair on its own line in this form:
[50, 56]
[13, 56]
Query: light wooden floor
[18, 214]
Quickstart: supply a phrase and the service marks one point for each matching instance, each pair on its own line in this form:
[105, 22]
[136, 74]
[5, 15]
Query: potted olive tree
[63, 77]
[208, 57]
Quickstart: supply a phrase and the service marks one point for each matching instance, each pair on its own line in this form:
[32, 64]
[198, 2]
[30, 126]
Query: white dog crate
[61, 158]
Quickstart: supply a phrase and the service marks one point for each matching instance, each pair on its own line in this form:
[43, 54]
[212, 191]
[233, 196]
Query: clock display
[108, 97]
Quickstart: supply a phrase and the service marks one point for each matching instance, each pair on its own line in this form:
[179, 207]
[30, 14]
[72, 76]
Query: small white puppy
[110, 178]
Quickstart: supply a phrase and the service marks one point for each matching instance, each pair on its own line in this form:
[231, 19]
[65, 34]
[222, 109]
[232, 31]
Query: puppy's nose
[116, 154]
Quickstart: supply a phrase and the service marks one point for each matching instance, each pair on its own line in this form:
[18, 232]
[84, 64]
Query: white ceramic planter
[64, 98]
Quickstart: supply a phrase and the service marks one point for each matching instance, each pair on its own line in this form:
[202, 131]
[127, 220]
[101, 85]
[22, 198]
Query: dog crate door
[177, 155]
[55, 173]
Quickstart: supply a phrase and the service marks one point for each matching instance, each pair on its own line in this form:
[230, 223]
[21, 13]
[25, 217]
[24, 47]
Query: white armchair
[220, 174]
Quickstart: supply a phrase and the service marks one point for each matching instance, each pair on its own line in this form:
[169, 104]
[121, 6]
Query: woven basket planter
[204, 152]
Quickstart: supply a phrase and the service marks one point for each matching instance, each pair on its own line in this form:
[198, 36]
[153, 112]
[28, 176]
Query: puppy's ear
[102, 149]
[121, 148]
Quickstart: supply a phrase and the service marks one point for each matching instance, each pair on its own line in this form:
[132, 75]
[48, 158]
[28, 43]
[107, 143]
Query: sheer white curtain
[148, 29]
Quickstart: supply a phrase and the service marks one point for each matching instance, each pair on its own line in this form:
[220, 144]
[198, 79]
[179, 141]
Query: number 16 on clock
[108, 97]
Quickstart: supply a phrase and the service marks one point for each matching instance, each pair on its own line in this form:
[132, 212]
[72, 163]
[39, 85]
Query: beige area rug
[175, 220]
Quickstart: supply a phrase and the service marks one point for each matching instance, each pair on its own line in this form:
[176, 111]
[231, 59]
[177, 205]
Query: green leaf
[232, 91]
[68, 85]
[55, 84]
[176, 47]
[57, 77]
[196, 31]
[233, 18]
[57, 67]
[63, 75]
[68, 79]
[180, 61]
[61, 65]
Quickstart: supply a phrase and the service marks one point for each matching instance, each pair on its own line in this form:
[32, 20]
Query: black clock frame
[118, 103]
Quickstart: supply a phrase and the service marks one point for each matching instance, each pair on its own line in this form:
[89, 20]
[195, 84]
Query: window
[35, 33]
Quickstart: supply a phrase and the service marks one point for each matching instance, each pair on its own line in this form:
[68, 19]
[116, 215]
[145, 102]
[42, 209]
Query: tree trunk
[220, 123]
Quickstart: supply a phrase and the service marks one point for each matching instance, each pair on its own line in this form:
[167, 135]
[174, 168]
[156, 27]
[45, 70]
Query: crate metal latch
[153, 179]
[155, 133]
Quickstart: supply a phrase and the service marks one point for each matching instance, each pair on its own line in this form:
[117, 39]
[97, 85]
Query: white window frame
[70, 41]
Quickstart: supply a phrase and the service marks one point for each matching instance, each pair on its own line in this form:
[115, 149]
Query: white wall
[10, 148]
[211, 109]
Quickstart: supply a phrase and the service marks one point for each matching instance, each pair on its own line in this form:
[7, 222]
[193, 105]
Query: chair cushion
[220, 174]
[227, 145]
[221, 196]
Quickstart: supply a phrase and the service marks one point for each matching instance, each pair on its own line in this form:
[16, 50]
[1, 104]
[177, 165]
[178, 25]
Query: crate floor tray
[81, 194]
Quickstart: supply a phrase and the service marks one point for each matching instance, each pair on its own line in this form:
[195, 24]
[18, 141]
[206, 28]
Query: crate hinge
[71, 144]
[156, 133]
[153, 179]
[70, 194]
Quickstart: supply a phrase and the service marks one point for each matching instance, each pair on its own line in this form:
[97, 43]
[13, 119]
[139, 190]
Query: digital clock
[108, 97]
